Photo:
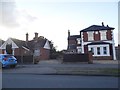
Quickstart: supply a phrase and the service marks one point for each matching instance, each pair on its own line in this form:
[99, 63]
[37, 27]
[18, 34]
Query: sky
[53, 18]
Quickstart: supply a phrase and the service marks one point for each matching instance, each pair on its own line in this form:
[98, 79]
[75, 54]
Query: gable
[9, 41]
[47, 45]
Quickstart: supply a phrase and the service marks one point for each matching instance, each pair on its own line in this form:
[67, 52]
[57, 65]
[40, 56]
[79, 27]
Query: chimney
[107, 26]
[102, 23]
[36, 35]
[68, 33]
[27, 37]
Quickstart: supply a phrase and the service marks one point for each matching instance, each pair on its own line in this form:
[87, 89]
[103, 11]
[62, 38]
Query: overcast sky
[53, 18]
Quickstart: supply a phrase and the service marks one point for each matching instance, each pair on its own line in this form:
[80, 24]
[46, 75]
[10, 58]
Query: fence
[24, 59]
[78, 58]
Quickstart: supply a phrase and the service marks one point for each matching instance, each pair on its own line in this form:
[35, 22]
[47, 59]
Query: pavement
[56, 67]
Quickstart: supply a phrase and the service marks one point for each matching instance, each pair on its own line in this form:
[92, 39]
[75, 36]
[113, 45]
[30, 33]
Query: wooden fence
[24, 59]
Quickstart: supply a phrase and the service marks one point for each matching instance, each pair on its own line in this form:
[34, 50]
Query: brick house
[100, 40]
[38, 47]
[73, 43]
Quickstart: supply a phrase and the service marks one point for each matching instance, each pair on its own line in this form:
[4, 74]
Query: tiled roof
[74, 37]
[1, 42]
[36, 43]
[97, 27]
[40, 42]
[19, 43]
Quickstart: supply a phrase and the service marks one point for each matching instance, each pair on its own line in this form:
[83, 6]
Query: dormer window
[90, 36]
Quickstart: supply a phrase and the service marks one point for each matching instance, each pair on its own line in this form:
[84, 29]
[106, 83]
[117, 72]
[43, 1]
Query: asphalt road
[11, 80]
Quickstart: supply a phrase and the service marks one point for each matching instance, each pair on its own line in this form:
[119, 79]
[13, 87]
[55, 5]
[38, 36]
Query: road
[12, 80]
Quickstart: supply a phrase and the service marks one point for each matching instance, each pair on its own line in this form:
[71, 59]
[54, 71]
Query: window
[98, 50]
[78, 40]
[104, 50]
[79, 50]
[37, 52]
[92, 50]
[103, 35]
[90, 36]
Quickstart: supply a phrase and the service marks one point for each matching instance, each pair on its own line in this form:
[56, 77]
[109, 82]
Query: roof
[32, 44]
[1, 42]
[19, 43]
[74, 37]
[36, 43]
[96, 28]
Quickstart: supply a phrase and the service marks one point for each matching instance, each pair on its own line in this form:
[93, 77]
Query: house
[100, 40]
[38, 47]
[73, 43]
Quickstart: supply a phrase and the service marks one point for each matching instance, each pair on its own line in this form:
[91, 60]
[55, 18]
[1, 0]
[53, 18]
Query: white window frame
[104, 50]
[79, 49]
[78, 41]
[103, 35]
[101, 49]
[90, 36]
[36, 52]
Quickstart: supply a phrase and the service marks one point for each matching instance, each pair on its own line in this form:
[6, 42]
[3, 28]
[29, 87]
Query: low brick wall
[78, 58]
[102, 58]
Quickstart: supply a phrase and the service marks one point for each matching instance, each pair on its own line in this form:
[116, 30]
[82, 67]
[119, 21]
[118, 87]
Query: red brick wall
[109, 34]
[85, 36]
[85, 49]
[97, 36]
[44, 54]
[19, 52]
[102, 58]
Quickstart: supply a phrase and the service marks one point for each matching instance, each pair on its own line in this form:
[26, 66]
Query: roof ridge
[16, 39]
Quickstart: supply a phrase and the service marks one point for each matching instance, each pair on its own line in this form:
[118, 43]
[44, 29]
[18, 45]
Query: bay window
[99, 50]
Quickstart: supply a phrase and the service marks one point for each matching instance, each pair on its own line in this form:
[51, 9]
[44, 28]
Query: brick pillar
[90, 55]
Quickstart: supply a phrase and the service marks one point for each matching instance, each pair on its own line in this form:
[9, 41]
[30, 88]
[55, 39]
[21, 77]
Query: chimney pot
[36, 35]
[26, 36]
[68, 33]
[102, 23]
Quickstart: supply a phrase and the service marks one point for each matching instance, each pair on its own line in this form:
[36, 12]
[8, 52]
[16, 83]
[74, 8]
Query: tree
[53, 51]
